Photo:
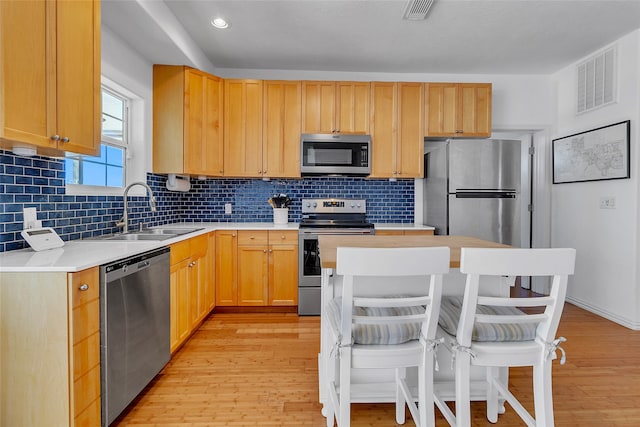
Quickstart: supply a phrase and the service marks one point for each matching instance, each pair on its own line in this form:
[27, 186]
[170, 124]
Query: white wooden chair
[493, 333]
[386, 330]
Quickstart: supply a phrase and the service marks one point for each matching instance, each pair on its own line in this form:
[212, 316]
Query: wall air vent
[596, 81]
[417, 9]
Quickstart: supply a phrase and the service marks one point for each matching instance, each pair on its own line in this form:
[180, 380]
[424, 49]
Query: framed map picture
[594, 155]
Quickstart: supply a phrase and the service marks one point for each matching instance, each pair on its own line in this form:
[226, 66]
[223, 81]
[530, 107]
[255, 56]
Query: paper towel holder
[178, 182]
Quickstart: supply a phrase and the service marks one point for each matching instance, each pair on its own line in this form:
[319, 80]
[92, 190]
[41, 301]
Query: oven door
[309, 260]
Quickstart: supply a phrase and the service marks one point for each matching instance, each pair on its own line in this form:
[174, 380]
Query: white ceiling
[458, 37]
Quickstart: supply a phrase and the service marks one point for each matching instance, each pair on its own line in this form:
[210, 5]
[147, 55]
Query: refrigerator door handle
[485, 195]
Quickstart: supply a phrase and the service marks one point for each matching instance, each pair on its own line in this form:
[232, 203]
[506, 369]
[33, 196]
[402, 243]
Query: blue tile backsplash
[39, 182]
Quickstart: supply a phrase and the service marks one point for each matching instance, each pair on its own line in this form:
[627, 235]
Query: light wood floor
[261, 370]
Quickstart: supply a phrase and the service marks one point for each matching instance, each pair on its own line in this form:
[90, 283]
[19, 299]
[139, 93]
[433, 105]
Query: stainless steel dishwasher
[134, 327]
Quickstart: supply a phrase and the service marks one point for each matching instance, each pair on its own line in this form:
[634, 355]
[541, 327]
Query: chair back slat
[517, 262]
[392, 261]
[391, 302]
[516, 302]
[508, 318]
[382, 320]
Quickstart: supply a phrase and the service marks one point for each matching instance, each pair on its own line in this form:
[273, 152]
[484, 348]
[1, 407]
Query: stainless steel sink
[154, 234]
[138, 236]
[174, 231]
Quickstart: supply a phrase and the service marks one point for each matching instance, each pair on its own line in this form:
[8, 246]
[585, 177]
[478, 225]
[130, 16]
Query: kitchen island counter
[328, 245]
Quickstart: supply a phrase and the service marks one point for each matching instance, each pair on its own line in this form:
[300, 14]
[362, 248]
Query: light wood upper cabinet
[50, 349]
[335, 107]
[397, 135]
[187, 118]
[281, 126]
[50, 79]
[458, 109]
[243, 128]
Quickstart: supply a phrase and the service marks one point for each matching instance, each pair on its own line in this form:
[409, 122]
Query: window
[108, 168]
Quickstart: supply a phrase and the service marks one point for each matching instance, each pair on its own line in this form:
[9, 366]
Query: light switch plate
[228, 210]
[608, 202]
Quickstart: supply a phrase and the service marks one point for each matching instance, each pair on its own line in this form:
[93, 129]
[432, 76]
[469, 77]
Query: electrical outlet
[228, 210]
[607, 202]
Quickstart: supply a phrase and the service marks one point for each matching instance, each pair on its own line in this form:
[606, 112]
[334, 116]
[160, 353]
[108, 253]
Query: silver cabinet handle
[270, 250]
[264, 250]
[65, 139]
[84, 287]
[55, 137]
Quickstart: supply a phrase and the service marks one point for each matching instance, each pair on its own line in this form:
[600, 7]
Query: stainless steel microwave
[329, 154]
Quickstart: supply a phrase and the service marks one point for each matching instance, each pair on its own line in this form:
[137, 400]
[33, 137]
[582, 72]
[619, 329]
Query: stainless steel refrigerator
[475, 188]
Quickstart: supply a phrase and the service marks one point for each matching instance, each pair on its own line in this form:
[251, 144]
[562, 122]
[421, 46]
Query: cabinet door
[410, 138]
[475, 109]
[78, 75]
[226, 268]
[195, 149]
[213, 116]
[29, 84]
[441, 109]
[281, 129]
[283, 274]
[383, 129]
[253, 286]
[179, 302]
[318, 107]
[243, 128]
[209, 287]
[352, 107]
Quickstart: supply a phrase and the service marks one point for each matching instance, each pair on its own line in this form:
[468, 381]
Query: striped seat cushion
[377, 334]
[451, 307]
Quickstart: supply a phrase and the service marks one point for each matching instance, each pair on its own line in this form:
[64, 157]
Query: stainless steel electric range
[324, 216]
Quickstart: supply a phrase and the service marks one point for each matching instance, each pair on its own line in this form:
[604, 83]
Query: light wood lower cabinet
[50, 349]
[190, 278]
[263, 270]
[226, 268]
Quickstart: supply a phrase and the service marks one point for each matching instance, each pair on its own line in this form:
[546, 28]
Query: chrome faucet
[124, 222]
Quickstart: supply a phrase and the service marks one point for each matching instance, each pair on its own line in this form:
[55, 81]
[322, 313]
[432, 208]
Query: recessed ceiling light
[219, 23]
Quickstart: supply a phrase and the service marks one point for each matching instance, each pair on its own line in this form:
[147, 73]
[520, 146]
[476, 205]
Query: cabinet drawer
[198, 245]
[81, 294]
[279, 236]
[90, 417]
[253, 237]
[86, 390]
[180, 251]
[86, 355]
[86, 320]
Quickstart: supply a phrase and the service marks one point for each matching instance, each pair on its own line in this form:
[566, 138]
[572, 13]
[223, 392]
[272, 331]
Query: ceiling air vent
[417, 9]
[596, 81]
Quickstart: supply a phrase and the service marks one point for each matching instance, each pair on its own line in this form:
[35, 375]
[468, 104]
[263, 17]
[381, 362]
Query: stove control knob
[358, 204]
[308, 204]
[352, 205]
[315, 205]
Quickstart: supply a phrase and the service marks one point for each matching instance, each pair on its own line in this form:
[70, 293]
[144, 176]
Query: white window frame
[134, 118]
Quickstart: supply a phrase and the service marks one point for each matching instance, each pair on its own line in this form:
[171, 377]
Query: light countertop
[77, 255]
[328, 245]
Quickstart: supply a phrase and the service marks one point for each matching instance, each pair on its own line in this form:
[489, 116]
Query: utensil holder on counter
[280, 215]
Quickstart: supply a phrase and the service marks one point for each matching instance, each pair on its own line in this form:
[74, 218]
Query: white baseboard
[604, 313]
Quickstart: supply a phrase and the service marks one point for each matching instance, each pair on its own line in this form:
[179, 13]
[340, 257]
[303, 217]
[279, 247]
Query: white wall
[125, 67]
[606, 280]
